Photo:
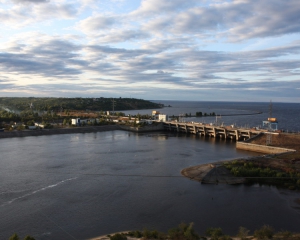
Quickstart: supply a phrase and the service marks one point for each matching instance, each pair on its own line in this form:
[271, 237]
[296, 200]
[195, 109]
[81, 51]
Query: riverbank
[265, 232]
[282, 168]
[86, 129]
[70, 130]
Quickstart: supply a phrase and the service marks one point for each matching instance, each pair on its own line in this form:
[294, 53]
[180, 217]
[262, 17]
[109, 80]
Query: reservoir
[79, 186]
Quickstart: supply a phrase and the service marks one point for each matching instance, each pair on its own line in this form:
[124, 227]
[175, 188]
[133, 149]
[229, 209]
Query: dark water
[79, 186]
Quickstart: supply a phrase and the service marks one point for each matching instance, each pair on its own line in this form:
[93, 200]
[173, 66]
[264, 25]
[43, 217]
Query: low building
[76, 121]
[38, 125]
[163, 118]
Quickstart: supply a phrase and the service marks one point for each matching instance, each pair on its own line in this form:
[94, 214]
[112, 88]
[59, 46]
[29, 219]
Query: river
[79, 186]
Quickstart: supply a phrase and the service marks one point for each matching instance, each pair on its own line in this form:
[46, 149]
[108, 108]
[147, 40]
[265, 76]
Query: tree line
[187, 232]
[256, 173]
[61, 104]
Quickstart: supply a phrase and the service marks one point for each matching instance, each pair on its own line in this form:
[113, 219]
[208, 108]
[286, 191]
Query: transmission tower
[269, 135]
[113, 105]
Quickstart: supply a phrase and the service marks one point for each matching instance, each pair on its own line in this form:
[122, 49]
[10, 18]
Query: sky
[196, 50]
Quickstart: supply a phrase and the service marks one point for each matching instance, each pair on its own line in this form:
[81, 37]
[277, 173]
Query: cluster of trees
[200, 114]
[61, 104]
[9, 116]
[257, 173]
[186, 232]
[27, 115]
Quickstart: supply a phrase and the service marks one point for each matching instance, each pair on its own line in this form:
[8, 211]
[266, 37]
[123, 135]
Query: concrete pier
[212, 131]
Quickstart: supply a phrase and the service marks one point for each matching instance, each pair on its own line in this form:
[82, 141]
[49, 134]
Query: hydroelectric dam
[227, 132]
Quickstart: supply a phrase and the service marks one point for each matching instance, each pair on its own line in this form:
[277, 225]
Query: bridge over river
[211, 130]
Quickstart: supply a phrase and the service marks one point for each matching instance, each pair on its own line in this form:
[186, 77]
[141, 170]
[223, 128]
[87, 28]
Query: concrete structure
[271, 123]
[155, 115]
[212, 131]
[262, 148]
[163, 118]
[39, 125]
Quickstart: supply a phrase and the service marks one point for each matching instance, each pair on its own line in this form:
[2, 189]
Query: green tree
[118, 236]
[265, 232]
[242, 233]
[30, 123]
[29, 238]
[214, 233]
[65, 121]
[183, 232]
[14, 237]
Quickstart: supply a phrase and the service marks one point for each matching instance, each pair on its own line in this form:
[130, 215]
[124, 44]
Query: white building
[163, 118]
[76, 121]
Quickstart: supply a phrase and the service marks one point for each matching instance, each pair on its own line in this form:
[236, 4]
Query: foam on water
[36, 191]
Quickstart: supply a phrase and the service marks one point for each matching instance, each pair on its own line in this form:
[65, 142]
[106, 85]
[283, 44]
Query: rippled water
[78, 186]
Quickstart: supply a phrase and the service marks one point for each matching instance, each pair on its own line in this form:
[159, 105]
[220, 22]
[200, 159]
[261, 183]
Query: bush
[118, 236]
[29, 238]
[183, 231]
[265, 232]
[225, 237]
[214, 233]
[14, 237]
[284, 234]
[136, 234]
[242, 233]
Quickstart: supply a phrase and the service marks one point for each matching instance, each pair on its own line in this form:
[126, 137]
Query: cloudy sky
[210, 50]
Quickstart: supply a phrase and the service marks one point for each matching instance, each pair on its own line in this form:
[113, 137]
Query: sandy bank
[211, 173]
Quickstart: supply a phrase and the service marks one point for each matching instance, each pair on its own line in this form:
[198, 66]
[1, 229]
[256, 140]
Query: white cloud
[29, 1]
[157, 44]
[95, 23]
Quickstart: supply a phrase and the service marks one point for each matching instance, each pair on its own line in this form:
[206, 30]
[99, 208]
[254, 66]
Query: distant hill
[61, 104]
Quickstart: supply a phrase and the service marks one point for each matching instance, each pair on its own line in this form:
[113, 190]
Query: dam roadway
[226, 132]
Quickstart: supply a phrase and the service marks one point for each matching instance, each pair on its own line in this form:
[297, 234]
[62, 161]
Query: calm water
[79, 186]
[287, 114]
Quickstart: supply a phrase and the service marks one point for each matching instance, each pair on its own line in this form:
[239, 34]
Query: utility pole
[113, 105]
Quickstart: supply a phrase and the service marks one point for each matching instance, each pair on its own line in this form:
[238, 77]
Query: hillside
[78, 104]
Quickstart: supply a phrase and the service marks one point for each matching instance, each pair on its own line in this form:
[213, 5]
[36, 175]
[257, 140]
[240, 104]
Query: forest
[77, 104]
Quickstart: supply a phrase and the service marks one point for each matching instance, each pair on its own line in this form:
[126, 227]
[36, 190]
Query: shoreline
[43, 132]
[86, 129]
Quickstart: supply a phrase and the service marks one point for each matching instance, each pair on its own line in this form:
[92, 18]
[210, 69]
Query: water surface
[78, 186]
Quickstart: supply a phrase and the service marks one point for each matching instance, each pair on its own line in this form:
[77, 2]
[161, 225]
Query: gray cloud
[52, 58]
[236, 20]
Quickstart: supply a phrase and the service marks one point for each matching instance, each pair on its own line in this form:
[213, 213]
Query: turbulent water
[78, 186]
